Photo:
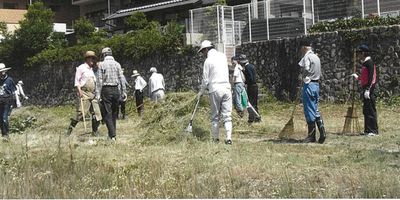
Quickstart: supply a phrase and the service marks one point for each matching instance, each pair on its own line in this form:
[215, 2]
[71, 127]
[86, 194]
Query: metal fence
[228, 26]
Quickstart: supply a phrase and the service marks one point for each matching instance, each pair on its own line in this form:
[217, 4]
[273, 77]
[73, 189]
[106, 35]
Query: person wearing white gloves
[19, 93]
[368, 82]
[109, 75]
[140, 84]
[312, 67]
[156, 86]
[216, 80]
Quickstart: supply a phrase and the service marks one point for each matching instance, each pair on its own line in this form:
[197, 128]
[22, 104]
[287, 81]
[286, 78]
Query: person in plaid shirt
[109, 75]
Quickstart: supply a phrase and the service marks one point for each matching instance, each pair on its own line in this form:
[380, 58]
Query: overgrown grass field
[153, 159]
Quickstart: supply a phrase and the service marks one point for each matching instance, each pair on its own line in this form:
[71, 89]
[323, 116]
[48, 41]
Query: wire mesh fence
[228, 26]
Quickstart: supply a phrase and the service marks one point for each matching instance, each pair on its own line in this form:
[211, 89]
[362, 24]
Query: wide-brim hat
[205, 44]
[89, 54]
[243, 59]
[135, 73]
[20, 82]
[3, 67]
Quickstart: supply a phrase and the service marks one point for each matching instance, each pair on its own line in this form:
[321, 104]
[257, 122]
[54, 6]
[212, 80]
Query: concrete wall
[276, 65]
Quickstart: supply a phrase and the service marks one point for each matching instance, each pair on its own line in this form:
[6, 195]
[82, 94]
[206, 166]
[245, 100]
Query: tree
[137, 20]
[32, 35]
[83, 29]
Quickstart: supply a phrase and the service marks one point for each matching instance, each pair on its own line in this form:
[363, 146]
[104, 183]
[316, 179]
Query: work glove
[199, 95]
[124, 96]
[366, 94]
[149, 99]
[307, 80]
[26, 98]
[97, 97]
[355, 76]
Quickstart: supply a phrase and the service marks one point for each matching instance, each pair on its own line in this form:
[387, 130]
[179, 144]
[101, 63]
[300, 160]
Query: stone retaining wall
[276, 65]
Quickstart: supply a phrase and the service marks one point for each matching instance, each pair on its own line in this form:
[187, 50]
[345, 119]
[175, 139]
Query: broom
[288, 130]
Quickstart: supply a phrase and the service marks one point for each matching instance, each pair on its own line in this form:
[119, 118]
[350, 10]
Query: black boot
[71, 126]
[321, 129]
[95, 125]
[311, 132]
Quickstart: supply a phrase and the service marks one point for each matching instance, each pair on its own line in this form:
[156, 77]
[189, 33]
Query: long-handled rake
[288, 130]
[188, 129]
[351, 123]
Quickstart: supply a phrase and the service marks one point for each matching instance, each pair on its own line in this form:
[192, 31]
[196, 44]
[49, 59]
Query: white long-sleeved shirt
[82, 74]
[215, 72]
[140, 83]
[156, 82]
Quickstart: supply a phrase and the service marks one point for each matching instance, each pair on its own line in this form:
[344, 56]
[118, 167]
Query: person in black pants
[368, 82]
[109, 75]
[252, 87]
[140, 84]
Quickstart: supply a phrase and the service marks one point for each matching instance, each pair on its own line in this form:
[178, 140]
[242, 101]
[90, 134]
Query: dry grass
[151, 158]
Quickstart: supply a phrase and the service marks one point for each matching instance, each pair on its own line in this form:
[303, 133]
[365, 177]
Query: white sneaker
[371, 134]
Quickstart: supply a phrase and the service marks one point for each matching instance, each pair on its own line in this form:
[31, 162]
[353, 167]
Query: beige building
[11, 18]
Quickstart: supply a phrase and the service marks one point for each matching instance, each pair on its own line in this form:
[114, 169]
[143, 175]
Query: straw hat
[89, 54]
[3, 67]
[135, 73]
[20, 82]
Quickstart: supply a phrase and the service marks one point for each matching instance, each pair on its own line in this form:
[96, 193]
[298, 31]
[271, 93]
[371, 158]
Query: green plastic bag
[244, 99]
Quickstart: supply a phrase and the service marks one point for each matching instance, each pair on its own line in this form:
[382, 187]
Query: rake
[188, 129]
[288, 130]
[351, 123]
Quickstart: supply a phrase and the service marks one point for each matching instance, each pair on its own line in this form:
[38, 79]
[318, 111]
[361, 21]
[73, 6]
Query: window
[10, 5]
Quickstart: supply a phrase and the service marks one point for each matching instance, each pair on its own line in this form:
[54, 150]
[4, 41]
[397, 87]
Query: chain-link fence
[228, 26]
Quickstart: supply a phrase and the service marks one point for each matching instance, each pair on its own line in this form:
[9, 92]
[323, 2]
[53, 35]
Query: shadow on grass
[283, 140]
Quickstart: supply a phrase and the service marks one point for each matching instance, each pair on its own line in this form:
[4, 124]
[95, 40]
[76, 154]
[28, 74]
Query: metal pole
[109, 13]
[312, 12]
[218, 24]
[379, 9]
[223, 28]
[267, 17]
[362, 9]
[191, 27]
[233, 29]
[304, 17]
[249, 9]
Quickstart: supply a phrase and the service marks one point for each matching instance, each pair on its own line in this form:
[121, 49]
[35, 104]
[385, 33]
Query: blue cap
[363, 48]
[234, 58]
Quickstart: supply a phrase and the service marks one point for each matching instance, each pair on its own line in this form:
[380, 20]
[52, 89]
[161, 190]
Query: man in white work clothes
[216, 80]
[156, 86]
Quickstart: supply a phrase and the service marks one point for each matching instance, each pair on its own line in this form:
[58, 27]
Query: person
[238, 86]
[216, 80]
[85, 82]
[7, 90]
[312, 68]
[252, 86]
[368, 84]
[109, 75]
[19, 93]
[140, 84]
[121, 101]
[156, 86]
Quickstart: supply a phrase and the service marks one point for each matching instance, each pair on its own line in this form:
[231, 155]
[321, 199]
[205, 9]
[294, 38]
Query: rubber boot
[215, 130]
[228, 130]
[95, 125]
[311, 132]
[71, 126]
[321, 129]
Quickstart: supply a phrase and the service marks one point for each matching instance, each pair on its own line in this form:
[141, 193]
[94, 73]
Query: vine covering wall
[276, 64]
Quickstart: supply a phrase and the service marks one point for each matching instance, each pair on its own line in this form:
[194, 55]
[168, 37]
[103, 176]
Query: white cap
[205, 44]
[106, 50]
